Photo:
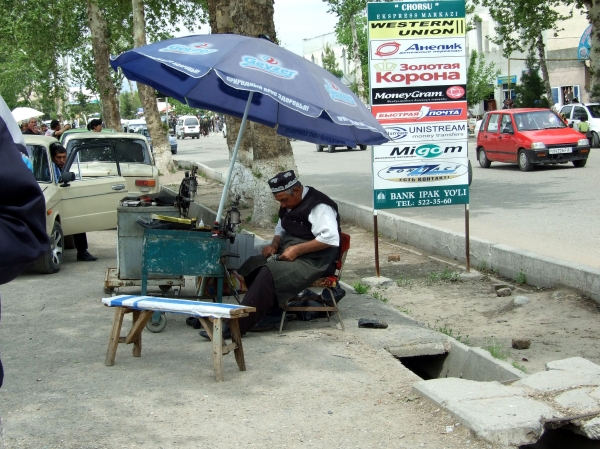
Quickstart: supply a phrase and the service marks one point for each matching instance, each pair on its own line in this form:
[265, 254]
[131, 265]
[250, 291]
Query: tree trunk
[100, 50]
[360, 85]
[262, 153]
[160, 142]
[593, 10]
[541, 48]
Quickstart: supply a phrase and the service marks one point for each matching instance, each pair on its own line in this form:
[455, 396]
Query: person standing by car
[95, 125]
[23, 237]
[58, 153]
[584, 127]
[31, 124]
[55, 129]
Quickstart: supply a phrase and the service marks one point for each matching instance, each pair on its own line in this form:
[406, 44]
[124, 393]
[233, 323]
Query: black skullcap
[283, 181]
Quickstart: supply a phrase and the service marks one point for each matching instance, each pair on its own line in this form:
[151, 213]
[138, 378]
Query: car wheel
[580, 163]
[470, 173]
[51, 261]
[320, 148]
[177, 136]
[482, 158]
[524, 163]
[362, 147]
[349, 148]
[595, 143]
[330, 149]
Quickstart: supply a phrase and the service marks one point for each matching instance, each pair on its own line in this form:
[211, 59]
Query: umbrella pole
[233, 157]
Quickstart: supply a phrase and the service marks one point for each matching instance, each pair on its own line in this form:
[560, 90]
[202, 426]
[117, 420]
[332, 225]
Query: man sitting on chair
[305, 248]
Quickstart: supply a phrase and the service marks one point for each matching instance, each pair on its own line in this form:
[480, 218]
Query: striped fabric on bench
[195, 308]
[211, 315]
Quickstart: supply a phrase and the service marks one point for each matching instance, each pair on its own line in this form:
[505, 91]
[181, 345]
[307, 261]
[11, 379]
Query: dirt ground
[560, 322]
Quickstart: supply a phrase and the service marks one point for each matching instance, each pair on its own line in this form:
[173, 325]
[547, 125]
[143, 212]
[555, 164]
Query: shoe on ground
[86, 257]
[226, 332]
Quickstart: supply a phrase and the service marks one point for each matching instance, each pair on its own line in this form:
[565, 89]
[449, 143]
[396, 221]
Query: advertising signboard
[417, 71]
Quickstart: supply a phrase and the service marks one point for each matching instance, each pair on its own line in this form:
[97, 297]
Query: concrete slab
[590, 429]
[506, 421]
[500, 414]
[555, 381]
[377, 281]
[578, 401]
[409, 349]
[574, 365]
[445, 391]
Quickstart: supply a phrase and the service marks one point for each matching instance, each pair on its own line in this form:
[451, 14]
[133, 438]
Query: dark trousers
[80, 242]
[261, 295]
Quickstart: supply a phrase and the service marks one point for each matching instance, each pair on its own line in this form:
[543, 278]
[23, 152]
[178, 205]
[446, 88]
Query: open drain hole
[427, 367]
[562, 439]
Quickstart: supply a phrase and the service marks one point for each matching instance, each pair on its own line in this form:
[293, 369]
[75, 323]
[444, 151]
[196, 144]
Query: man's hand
[290, 253]
[269, 250]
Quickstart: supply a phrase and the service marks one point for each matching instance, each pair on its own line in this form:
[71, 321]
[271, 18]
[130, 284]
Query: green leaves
[480, 78]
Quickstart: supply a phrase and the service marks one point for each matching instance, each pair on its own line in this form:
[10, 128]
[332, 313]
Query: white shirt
[323, 220]
[50, 133]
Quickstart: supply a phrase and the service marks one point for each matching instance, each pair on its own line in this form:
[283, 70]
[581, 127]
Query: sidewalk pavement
[313, 386]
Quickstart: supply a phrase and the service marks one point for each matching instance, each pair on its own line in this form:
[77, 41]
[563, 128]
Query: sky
[296, 20]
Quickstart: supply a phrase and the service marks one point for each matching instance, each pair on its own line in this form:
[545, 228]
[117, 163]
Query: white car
[132, 151]
[188, 125]
[574, 112]
[86, 200]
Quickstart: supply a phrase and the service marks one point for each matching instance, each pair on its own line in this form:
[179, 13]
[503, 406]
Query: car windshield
[128, 150]
[536, 120]
[39, 160]
[594, 110]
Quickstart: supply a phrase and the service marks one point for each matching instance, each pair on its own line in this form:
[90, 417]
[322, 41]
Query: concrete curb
[541, 271]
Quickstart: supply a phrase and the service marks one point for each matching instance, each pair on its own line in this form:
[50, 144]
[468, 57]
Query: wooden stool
[210, 314]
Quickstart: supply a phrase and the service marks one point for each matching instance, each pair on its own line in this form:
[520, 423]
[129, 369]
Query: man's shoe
[226, 332]
[86, 257]
[269, 323]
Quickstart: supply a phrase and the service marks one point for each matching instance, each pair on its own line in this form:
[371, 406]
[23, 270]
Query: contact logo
[413, 173]
[267, 64]
[200, 48]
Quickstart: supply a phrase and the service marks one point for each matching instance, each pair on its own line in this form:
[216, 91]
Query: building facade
[567, 67]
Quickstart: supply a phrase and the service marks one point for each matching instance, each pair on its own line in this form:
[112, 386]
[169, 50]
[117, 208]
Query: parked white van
[187, 125]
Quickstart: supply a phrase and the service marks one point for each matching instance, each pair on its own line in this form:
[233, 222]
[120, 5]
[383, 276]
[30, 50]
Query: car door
[89, 203]
[566, 111]
[507, 151]
[490, 136]
[579, 113]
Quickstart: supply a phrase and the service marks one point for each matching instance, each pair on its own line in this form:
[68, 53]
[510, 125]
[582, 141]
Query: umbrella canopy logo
[337, 95]
[269, 65]
[200, 48]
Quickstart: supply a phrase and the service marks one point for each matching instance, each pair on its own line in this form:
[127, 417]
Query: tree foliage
[352, 22]
[480, 78]
[530, 91]
[344, 37]
[520, 24]
[330, 63]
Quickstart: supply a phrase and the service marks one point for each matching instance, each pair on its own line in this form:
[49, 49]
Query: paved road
[552, 210]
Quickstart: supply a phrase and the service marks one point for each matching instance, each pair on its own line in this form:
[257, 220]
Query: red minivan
[528, 137]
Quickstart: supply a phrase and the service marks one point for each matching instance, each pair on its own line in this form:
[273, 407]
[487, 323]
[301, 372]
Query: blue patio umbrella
[254, 79]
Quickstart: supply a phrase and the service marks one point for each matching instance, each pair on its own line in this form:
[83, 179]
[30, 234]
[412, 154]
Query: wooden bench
[210, 314]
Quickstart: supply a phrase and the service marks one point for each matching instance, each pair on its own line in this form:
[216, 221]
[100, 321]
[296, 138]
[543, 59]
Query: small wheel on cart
[164, 288]
[109, 290]
[158, 326]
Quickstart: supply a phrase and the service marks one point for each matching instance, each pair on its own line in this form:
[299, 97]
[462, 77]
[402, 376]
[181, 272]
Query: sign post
[417, 71]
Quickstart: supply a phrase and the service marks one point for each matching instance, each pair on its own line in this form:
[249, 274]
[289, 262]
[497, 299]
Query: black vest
[295, 221]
